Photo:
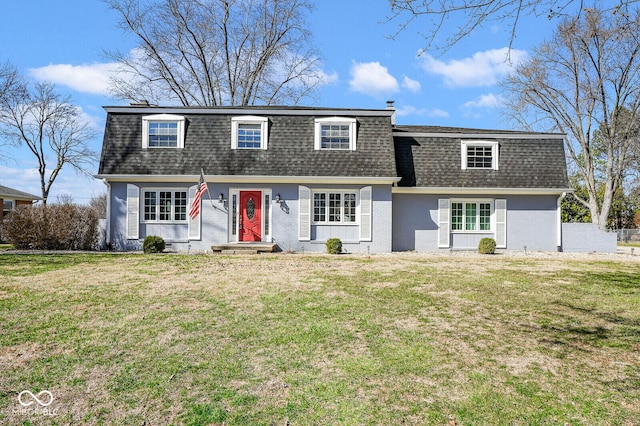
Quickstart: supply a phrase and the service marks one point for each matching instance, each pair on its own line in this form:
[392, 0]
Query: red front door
[250, 216]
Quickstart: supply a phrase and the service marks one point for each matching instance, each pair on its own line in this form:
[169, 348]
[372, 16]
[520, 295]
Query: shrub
[52, 227]
[487, 246]
[334, 246]
[153, 244]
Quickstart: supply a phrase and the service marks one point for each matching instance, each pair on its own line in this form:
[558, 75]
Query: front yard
[318, 339]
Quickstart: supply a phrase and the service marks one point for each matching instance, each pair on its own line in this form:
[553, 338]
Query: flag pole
[210, 199]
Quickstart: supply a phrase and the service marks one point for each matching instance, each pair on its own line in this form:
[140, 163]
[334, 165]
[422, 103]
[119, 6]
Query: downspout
[559, 221]
[108, 222]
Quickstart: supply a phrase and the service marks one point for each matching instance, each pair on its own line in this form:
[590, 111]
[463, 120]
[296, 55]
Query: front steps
[244, 248]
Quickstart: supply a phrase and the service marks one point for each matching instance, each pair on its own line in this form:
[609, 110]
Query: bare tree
[585, 82]
[51, 128]
[472, 14]
[12, 86]
[99, 205]
[216, 52]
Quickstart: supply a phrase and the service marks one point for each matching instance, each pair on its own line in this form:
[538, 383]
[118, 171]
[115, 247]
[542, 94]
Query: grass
[629, 244]
[271, 339]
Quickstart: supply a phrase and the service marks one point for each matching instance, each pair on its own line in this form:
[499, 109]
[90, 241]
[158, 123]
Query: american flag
[195, 205]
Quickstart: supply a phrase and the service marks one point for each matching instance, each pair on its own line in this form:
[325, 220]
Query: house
[11, 199]
[296, 176]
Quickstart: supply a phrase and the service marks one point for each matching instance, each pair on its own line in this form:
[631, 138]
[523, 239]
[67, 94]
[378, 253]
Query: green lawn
[317, 339]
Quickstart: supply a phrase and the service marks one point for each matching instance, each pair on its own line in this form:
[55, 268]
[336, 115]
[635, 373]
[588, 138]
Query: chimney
[140, 103]
[390, 107]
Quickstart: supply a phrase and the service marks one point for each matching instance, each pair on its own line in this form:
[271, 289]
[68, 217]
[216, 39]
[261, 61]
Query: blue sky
[62, 42]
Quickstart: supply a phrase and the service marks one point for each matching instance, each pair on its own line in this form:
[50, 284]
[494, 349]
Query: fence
[627, 235]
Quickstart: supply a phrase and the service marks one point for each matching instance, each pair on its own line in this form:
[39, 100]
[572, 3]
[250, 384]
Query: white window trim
[464, 201]
[351, 122]
[143, 191]
[250, 119]
[326, 222]
[494, 153]
[162, 117]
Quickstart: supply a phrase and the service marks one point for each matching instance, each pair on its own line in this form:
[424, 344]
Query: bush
[334, 246]
[52, 227]
[487, 246]
[153, 244]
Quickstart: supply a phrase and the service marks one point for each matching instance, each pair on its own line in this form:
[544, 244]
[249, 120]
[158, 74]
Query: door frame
[233, 233]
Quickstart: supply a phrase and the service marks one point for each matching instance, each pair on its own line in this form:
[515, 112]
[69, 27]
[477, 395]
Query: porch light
[221, 198]
[278, 199]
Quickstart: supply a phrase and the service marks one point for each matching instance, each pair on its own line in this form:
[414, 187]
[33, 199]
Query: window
[163, 134]
[165, 206]
[335, 134]
[249, 132]
[334, 207]
[7, 207]
[479, 155]
[163, 131]
[234, 214]
[471, 216]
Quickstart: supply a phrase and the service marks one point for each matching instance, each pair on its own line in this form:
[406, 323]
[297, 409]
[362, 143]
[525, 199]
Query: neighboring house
[296, 176]
[11, 199]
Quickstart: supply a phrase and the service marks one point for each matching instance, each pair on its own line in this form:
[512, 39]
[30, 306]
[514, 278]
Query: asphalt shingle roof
[423, 156]
[6, 192]
[425, 161]
[208, 146]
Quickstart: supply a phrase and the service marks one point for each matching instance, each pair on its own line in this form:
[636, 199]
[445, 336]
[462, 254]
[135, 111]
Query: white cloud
[410, 84]
[424, 112]
[327, 79]
[93, 78]
[81, 188]
[482, 69]
[26, 180]
[371, 78]
[486, 101]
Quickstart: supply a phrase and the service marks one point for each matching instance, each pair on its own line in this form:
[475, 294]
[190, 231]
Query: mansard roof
[207, 144]
[417, 156]
[430, 157]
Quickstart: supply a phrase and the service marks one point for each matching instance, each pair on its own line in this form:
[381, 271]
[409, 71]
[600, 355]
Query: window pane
[163, 134]
[249, 136]
[180, 205]
[334, 136]
[350, 208]
[456, 216]
[149, 205]
[320, 207]
[470, 217]
[234, 213]
[165, 205]
[485, 216]
[267, 206]
[335, 210]
[479, 157]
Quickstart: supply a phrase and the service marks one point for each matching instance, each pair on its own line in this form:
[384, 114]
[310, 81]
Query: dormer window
[479, 155]
[163, 131]
[335, 133]
[249, 132]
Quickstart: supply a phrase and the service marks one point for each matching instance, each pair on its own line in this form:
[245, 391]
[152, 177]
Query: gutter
[445, 190]
[108, 224]
[384, 180]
